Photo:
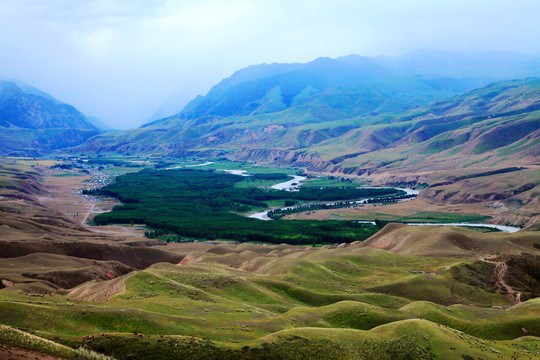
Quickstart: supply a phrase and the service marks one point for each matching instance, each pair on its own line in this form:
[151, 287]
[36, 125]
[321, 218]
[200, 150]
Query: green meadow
[340, 303]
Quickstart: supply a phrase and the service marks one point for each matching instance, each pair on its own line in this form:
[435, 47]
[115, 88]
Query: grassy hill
[245, 300]
[448, 241]
[499, 121]
[355, 129]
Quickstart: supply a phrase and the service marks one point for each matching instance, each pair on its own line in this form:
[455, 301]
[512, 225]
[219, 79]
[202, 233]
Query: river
[203, 164]
[237, 172]
[408, 191]
[189, 166]
[508, 229]
[263, 215]
[290, 185]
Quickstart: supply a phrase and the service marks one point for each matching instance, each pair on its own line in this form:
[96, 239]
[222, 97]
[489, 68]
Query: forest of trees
[202, 204]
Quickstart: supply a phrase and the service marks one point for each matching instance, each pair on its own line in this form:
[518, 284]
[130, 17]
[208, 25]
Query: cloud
[120, 59]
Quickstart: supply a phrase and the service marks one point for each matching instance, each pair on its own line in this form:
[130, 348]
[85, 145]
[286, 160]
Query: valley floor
[405, 293]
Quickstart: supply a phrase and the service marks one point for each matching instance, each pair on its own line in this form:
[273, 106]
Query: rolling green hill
[258, 302]
[405, 293]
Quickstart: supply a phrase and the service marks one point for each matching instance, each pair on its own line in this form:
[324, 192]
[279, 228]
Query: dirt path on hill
[93, 228]
[83, 222]
[498, 275]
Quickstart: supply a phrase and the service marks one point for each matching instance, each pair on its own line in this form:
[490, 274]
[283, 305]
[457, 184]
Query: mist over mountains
[356, 116]
[282, 106]
[33, 122]
[455, 72]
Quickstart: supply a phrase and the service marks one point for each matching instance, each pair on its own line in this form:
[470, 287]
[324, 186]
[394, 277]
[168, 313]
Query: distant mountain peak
[28, 89]
[33, 122]
[451, 69]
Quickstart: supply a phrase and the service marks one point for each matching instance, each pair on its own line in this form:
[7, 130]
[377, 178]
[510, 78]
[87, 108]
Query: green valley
[199, 204]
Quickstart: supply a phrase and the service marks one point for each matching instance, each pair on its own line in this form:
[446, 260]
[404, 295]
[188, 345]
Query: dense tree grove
[202, 204]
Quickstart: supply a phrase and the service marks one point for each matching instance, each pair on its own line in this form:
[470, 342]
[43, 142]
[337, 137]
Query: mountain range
[349, 114]
[355, 115]
[154, 248]
[33, 122]
[478, 68]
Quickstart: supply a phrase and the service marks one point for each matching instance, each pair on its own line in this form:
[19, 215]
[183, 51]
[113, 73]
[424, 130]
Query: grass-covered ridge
[203, 204]
[312, 303]
[18, 338]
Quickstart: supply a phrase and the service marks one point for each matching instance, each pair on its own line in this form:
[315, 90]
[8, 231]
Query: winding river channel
[295, 183]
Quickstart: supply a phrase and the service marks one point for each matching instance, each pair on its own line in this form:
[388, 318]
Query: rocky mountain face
[33, 123]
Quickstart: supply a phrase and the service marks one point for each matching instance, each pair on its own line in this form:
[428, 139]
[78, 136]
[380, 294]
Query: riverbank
[411, 193]
[290, 185]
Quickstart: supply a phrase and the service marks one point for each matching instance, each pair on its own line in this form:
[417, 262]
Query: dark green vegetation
[285, 347]
[523, 274]
[478, 274]
[388, 199]
[196, 203]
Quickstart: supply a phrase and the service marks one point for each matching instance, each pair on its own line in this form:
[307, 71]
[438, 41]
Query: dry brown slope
[96, 291]
[47, 273]
[450, 241]
[136, 256]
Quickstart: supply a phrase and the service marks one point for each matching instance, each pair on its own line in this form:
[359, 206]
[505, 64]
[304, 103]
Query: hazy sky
[120, 59]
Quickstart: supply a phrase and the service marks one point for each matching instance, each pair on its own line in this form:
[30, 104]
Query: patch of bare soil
[99, 291]
[517, 275]
[138, 257]
[63, 195]
[67, 279]
[8, 352]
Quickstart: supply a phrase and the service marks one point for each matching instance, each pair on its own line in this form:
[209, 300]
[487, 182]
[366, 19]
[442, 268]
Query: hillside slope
[33, 122]
[448, 241]
[473, 69]
[270, 88]
[356, 129]
[429, 294]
